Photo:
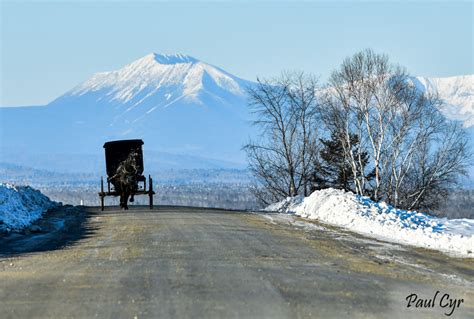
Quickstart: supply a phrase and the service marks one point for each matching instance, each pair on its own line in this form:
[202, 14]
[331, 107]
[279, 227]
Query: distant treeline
[229, 196]
[35, 177]
[458, 204]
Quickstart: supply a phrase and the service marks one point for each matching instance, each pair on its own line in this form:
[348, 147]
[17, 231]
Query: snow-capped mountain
[170, 89]
[175, 103]
[457, 93]
[159, 81]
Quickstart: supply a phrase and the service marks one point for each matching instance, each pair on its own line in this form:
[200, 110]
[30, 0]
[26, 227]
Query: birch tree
[414, 151]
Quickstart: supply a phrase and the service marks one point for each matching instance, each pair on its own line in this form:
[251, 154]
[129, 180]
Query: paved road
[177, 262]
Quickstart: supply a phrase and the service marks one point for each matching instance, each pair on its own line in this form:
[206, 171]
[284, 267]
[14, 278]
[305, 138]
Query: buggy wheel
[150, 191]
[102, 193]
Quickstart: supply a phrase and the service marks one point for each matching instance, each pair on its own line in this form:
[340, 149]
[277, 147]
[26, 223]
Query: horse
[125, 179]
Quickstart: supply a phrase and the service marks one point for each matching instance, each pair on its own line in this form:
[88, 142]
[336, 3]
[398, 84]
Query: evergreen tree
[334, 168]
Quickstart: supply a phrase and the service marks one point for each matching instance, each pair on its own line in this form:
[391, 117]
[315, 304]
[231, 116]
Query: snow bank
[20, 206]
[362, 215]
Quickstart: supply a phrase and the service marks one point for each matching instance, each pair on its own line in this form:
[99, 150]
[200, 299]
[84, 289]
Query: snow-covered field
[379, 220]
[20, 206]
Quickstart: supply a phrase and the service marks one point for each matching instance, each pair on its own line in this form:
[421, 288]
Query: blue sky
[49, 47]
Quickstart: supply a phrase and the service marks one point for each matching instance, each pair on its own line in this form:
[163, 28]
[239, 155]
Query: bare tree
[286, 114]
[440, 158]
[302, 96]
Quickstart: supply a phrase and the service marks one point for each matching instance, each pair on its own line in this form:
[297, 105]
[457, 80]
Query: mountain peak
[171, 58]
[160, 80]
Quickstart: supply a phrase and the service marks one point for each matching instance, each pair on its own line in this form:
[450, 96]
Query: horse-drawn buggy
[124, 165]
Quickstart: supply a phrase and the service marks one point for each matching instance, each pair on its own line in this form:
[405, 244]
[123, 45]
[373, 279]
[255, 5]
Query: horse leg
[125, 200]
[121, 201]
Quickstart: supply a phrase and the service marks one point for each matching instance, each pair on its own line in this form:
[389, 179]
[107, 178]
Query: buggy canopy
[118, 151]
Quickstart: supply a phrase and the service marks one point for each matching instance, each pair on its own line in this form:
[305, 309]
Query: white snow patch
[382, 221]
[20, 206]
[286, 205]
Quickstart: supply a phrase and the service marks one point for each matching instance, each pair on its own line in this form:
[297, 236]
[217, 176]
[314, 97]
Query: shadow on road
[66, 225]
[59, 228]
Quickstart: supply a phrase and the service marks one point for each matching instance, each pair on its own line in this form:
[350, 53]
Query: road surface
[182, 262]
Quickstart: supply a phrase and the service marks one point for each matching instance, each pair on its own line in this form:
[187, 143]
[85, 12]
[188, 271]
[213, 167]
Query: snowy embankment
[362, 215]
[20, 206]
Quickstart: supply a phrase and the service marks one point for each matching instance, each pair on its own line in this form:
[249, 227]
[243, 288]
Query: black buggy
[124, 164]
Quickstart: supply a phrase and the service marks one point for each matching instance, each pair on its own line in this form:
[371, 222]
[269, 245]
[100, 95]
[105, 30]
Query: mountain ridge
[176, 103]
